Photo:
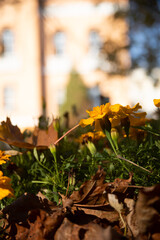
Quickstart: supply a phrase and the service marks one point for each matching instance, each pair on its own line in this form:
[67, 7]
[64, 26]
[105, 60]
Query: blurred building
[20, 86]
[41, 42]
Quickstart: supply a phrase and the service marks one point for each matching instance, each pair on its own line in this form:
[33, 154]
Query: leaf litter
[98, 210]
[40, 138]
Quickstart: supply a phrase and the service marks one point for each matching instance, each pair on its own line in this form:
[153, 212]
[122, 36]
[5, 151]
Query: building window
[9, 99]
[59, 41]
[95, 43]
[96, 97]
[94, 94]
[61, 96]
[7, 42]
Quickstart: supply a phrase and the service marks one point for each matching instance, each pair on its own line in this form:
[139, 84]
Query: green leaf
[35, 154]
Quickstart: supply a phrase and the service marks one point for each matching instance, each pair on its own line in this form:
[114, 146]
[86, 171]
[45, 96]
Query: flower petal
[86, 122]
[156, 102]
[5, 187]
[115, 108]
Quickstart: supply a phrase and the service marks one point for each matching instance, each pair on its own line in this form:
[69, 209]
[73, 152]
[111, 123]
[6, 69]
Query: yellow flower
[107, 116]
[119, 112]
[98, 113]
[156, 102]
[98, 135]
[90, 136]
[115, 115]
[3, 157]
[5, 187]
[138, 119]
[84, 138]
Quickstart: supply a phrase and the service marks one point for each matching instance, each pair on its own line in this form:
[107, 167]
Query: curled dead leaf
[40, 138]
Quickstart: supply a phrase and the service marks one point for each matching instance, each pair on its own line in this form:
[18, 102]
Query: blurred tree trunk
[42, 56]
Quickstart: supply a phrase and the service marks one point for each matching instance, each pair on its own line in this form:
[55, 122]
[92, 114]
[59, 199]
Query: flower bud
[115, 136]
[91, 148]
[56, 124]
[52, 149]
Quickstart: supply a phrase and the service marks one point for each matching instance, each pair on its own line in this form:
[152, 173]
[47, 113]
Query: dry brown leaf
[33, 217]
[121, 185]
[156, 236]
[11, 134]
[40, 139]
[40, 225]
[148, 210]
[93, 193]
[90, 193]
[118, 206]
[131, 217]
[18, 210]
[43, 138]
[94, 229]
[111, 215]
[114, 202]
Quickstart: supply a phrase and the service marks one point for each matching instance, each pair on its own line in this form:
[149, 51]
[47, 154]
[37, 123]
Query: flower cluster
[5, 186]
[111, 116]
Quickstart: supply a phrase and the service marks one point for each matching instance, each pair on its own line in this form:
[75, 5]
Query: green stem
[44, 167]
[108, 135]
[118, 156]
[37, 158]
[122, 158]
[53, 151]
[43, 182]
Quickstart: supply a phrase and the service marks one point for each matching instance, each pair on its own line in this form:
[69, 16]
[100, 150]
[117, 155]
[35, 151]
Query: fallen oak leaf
[91, 192]
[86, 194]
[8, 131]
[12, 135]
[41, 139]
